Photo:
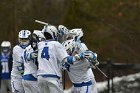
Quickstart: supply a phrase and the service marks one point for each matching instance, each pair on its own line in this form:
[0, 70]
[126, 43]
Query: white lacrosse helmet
[5, 46]
[69, 45]
[76, 34]
[39, 34]
[23, 37]
[52, 30]
[63, 30]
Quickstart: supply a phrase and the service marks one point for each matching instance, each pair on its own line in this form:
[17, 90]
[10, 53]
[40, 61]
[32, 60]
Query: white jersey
[50, 55]
[78, 72]
[17, 67]
[29, 66]
[90, 72]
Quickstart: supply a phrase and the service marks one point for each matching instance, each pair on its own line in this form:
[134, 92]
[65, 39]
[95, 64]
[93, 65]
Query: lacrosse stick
[96, 67]
[41, 22]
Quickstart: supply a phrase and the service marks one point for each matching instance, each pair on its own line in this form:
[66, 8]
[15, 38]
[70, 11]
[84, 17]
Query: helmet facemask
[5, 50]
[70, 46]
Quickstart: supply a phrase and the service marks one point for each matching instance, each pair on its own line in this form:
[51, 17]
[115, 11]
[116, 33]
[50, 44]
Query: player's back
[17, 63]
[50, 54]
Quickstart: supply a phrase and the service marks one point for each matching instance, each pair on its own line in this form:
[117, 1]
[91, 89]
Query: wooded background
[111, 27]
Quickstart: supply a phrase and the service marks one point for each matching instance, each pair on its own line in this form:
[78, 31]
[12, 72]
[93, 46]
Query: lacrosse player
[77, 35]
[31, 64]
[50, 54]
[6, 64]
[78, 71]
[17, 69]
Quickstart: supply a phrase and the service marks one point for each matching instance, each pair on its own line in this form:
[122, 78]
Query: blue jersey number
[45, 53]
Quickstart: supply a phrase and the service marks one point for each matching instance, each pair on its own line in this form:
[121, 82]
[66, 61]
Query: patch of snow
[118, 81]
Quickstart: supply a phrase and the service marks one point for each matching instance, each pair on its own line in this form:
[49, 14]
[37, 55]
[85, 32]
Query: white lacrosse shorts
[16, 84]
[84, 88]
[49, 85]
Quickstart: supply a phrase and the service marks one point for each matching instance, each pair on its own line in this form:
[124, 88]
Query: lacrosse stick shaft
[41, 22]
[97, 67]
[101, 71]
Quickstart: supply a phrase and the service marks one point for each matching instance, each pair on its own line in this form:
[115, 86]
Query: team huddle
[40, 57]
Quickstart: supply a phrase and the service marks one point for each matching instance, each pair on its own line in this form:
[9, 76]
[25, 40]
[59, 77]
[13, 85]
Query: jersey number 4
[45, 53]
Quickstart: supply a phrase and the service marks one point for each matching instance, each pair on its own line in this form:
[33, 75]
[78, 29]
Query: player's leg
[16, 84]
[54, 85]
[92, 77]
[30, 86]
[9, 85]
[83, 89]
[3, 87]
[42, 85]
[87, 89]
[75, 89]
[49, 85]
[94, 86]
